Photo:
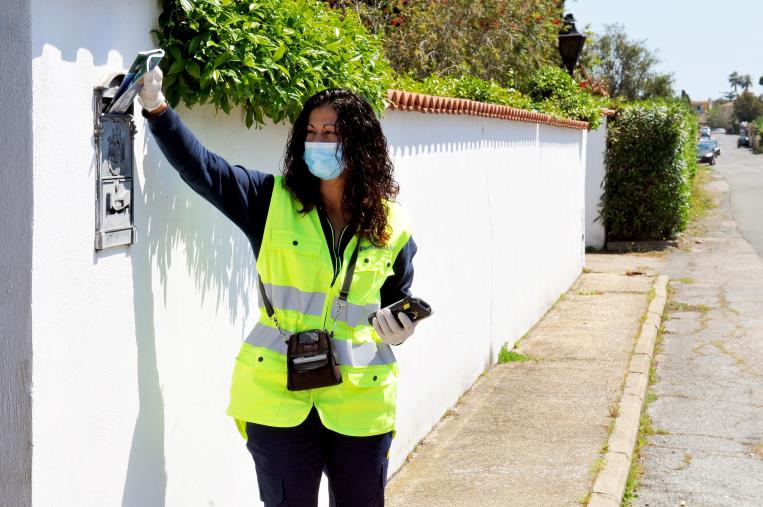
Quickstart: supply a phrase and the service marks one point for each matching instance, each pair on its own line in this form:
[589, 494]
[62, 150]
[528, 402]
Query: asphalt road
[706, 448]
[743, 171]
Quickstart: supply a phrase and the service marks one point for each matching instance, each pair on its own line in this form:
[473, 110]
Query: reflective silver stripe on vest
[267, 337]
[363, 354]
[351, 354]
[354, 315]
[284, 297]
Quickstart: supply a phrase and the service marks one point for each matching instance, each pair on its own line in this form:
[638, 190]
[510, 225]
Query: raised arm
[242, 195]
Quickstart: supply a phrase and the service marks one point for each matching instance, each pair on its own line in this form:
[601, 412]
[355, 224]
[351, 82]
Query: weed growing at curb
[685, 280]
[677, 306]
[512, 356]
[614, 407]
[645, 422]
[598, 465]
[587, 270]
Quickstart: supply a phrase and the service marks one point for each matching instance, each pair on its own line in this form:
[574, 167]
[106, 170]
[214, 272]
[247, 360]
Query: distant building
[701, 107]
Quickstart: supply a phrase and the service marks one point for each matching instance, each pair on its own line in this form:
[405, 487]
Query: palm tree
[734, 80]
[745, 81]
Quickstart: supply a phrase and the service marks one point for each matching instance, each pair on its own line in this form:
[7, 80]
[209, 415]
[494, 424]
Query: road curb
[610, 482]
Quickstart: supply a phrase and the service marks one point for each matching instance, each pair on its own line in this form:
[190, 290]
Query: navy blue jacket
[243, 195]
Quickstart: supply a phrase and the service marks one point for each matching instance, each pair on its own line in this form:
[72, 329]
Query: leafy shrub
[500, 40]
[268, 56]
[465, 87]
[553, 91]
[651, 162]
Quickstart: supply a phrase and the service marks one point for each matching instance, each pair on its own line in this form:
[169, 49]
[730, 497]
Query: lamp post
[570, 43]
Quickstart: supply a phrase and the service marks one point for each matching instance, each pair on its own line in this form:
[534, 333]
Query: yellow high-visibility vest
[296, 270]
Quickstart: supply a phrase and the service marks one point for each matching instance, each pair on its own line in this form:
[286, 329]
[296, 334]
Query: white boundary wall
[133, 347]
[595, 234]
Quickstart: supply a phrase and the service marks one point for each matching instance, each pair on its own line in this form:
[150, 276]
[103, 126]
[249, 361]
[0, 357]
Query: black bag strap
[265, 300]
[343, 293]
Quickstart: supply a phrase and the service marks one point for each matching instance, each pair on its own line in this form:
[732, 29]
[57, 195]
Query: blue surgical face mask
[324, 160]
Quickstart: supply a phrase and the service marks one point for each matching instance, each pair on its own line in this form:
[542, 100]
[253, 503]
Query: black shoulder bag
[310, 355]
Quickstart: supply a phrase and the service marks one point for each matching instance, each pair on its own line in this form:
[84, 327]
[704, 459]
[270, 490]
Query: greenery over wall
[651, 163]
[548, 90]
[465, 87]
[268, 56]
[553, 91]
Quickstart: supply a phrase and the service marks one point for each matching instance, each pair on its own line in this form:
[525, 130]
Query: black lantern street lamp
[570, 43]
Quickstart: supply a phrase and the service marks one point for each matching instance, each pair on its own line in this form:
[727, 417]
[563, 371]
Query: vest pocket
[369, 399]
[371, 270]
[371, 376]
[293, 242]
[379, 261]
[259, 384]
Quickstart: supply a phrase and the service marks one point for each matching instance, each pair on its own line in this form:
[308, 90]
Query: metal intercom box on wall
[114, 136]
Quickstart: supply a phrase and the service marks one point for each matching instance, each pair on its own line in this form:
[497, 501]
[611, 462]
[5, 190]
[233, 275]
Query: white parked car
[719, 131]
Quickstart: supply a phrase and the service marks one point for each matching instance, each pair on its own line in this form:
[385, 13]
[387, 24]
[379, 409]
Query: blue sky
[700, 41]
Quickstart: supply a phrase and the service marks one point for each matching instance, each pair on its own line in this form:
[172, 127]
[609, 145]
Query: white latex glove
[151, 96]
[389, 330]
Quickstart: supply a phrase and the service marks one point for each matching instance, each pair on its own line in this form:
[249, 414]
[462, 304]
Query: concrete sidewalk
[532, 433]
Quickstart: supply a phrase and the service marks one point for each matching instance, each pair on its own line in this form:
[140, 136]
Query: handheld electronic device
[415, 308]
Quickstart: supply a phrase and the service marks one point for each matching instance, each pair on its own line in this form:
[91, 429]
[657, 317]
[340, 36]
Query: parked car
[743, 141]
[706, 152]
[717, 147]
[719, 130]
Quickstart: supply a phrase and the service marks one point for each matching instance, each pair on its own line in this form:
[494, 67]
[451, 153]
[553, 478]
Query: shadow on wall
[218, 256]
[109, 25]
[558, 137]
[219, 260]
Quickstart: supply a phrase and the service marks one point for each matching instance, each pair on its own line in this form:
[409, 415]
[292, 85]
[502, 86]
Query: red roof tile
[408, 101]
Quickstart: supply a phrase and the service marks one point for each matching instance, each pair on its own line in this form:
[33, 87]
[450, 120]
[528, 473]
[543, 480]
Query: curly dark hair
[369, 179]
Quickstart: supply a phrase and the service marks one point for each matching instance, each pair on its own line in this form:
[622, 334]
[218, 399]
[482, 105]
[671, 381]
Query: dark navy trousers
[290, 462]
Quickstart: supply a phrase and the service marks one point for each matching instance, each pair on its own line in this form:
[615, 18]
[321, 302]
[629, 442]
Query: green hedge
[268, 56]
[651, 162]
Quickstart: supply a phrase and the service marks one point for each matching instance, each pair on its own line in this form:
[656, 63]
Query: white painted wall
[15, 254]
[133, 347]
[595, 234]
[498, 212]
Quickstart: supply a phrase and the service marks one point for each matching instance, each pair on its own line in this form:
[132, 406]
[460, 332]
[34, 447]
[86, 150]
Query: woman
[328, 224]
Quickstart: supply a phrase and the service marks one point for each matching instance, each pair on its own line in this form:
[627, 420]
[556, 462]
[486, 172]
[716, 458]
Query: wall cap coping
[400, 100]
